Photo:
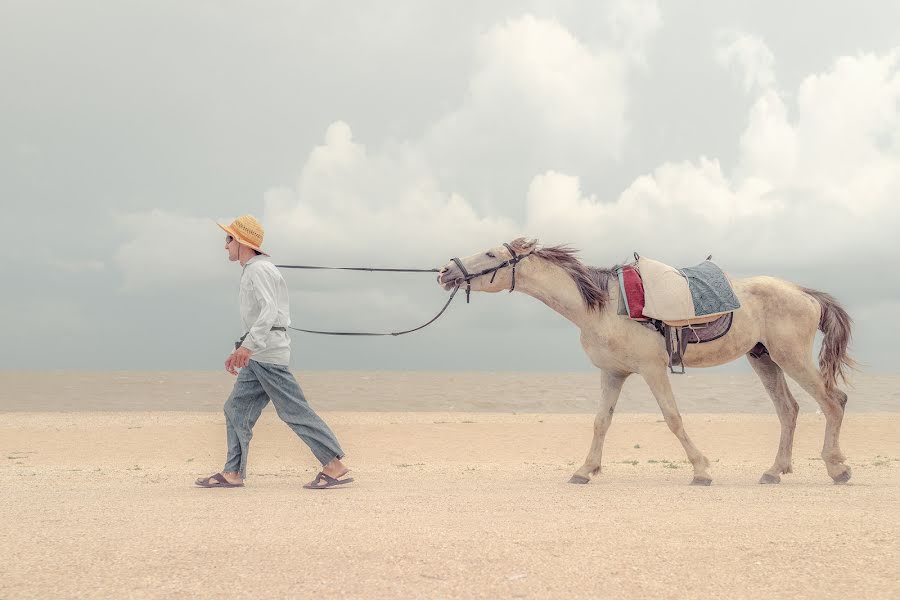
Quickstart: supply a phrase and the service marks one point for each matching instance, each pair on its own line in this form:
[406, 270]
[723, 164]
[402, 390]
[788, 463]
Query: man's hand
[237, 360]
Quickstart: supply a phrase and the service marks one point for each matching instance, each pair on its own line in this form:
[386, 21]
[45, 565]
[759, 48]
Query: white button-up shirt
[265, 304]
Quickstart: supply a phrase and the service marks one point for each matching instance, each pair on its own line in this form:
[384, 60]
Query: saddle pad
[710, 289]
[689, 295]
[697, 334]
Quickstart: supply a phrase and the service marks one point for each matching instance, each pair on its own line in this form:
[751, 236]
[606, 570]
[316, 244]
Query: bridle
[513, 260]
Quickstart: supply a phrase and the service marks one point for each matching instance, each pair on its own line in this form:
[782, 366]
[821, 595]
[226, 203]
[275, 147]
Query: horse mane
[592, 282]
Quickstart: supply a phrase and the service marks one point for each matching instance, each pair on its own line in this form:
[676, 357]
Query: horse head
[490, 270]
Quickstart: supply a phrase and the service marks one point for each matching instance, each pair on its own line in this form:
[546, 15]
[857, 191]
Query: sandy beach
[468, 501]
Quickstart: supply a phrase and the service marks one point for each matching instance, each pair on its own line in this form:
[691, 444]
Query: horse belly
[712, 354]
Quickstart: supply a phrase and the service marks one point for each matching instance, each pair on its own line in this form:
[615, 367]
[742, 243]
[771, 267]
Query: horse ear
[528, 244]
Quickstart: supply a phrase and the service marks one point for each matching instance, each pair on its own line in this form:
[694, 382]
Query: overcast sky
[404, 133]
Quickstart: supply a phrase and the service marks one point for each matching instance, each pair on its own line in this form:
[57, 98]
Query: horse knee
[674, 422]
[841, 398]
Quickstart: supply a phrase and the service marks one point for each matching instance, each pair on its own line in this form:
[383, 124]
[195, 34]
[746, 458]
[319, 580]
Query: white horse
[775, 315]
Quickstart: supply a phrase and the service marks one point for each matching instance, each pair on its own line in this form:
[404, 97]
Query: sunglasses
[228, 239]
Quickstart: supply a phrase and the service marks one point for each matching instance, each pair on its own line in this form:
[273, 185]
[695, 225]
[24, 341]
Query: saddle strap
[677, 337]
[676, 343]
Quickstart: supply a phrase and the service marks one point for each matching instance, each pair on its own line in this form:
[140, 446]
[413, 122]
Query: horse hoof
[579, 479]
[768, 478]
[701, 481]
[843, 477]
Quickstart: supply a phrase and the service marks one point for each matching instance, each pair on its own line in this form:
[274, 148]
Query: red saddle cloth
[634, 292]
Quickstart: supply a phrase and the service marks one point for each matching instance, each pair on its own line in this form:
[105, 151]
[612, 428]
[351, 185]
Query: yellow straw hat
[247, 231]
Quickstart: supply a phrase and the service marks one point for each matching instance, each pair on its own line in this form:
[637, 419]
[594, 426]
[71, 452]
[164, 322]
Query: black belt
[238, 343]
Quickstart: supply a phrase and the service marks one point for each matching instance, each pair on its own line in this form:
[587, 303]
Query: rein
[360, 269]
[394, 333]
[467, 278]
[371, 269]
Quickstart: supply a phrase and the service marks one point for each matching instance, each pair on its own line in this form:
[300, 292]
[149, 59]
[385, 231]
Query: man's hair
[257, 252]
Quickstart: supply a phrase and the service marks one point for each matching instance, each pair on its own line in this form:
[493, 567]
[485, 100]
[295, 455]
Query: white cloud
[848, 128]
[769, 143]
[748, 57]
[632, 24]
[387, 207]
[680, 211]
[539, 98]
[820, 188]
[348, 207]
[815, 183]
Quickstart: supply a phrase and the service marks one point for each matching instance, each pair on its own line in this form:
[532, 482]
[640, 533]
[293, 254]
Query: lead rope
[371, 269]
[512, 262]
[360, 269]
[395, 333]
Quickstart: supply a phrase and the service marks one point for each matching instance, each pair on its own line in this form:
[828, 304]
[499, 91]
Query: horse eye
[491, 255]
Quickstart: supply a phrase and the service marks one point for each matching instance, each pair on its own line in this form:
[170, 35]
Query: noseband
[511, 262]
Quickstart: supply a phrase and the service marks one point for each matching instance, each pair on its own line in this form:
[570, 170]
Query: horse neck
[552, 285]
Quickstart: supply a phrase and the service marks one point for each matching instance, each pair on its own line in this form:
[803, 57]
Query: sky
[403, 133]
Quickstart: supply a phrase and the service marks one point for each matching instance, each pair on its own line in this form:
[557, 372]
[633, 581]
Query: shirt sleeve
[264, 291]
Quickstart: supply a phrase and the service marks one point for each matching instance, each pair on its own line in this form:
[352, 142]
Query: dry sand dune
[446, 504]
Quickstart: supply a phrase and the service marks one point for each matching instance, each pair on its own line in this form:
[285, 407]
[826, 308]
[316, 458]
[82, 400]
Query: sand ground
[446, 505]
[698, 391]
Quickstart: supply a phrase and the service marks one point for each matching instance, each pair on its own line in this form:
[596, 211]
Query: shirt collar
[257, 258]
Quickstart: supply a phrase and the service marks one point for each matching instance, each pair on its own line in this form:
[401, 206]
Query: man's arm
[264, 292]
[263, 287]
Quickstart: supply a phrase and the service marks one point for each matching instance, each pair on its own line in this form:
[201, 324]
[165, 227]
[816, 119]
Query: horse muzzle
[449, 277]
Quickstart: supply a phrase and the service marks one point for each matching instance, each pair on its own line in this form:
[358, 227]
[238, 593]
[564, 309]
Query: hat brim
[240, 241]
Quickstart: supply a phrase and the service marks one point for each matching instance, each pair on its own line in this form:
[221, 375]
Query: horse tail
[835, 324]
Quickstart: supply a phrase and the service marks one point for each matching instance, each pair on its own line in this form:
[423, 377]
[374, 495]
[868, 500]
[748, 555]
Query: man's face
[233, 247]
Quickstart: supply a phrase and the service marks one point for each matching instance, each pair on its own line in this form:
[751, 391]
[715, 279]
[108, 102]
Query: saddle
[691, 305]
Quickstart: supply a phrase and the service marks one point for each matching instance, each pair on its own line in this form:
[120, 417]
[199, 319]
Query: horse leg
[786, 406]
[611, 387]
[658, 380]
[801, 369]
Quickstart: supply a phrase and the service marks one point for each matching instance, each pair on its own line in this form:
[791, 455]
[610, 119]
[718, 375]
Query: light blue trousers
[257, 383]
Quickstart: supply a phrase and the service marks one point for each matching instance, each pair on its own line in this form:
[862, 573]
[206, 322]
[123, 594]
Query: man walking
[260, 361]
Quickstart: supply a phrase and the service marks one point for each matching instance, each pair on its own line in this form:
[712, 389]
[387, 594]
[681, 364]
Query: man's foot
[225, 479]
[335, 469]
[331, 475]
[323, 481]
